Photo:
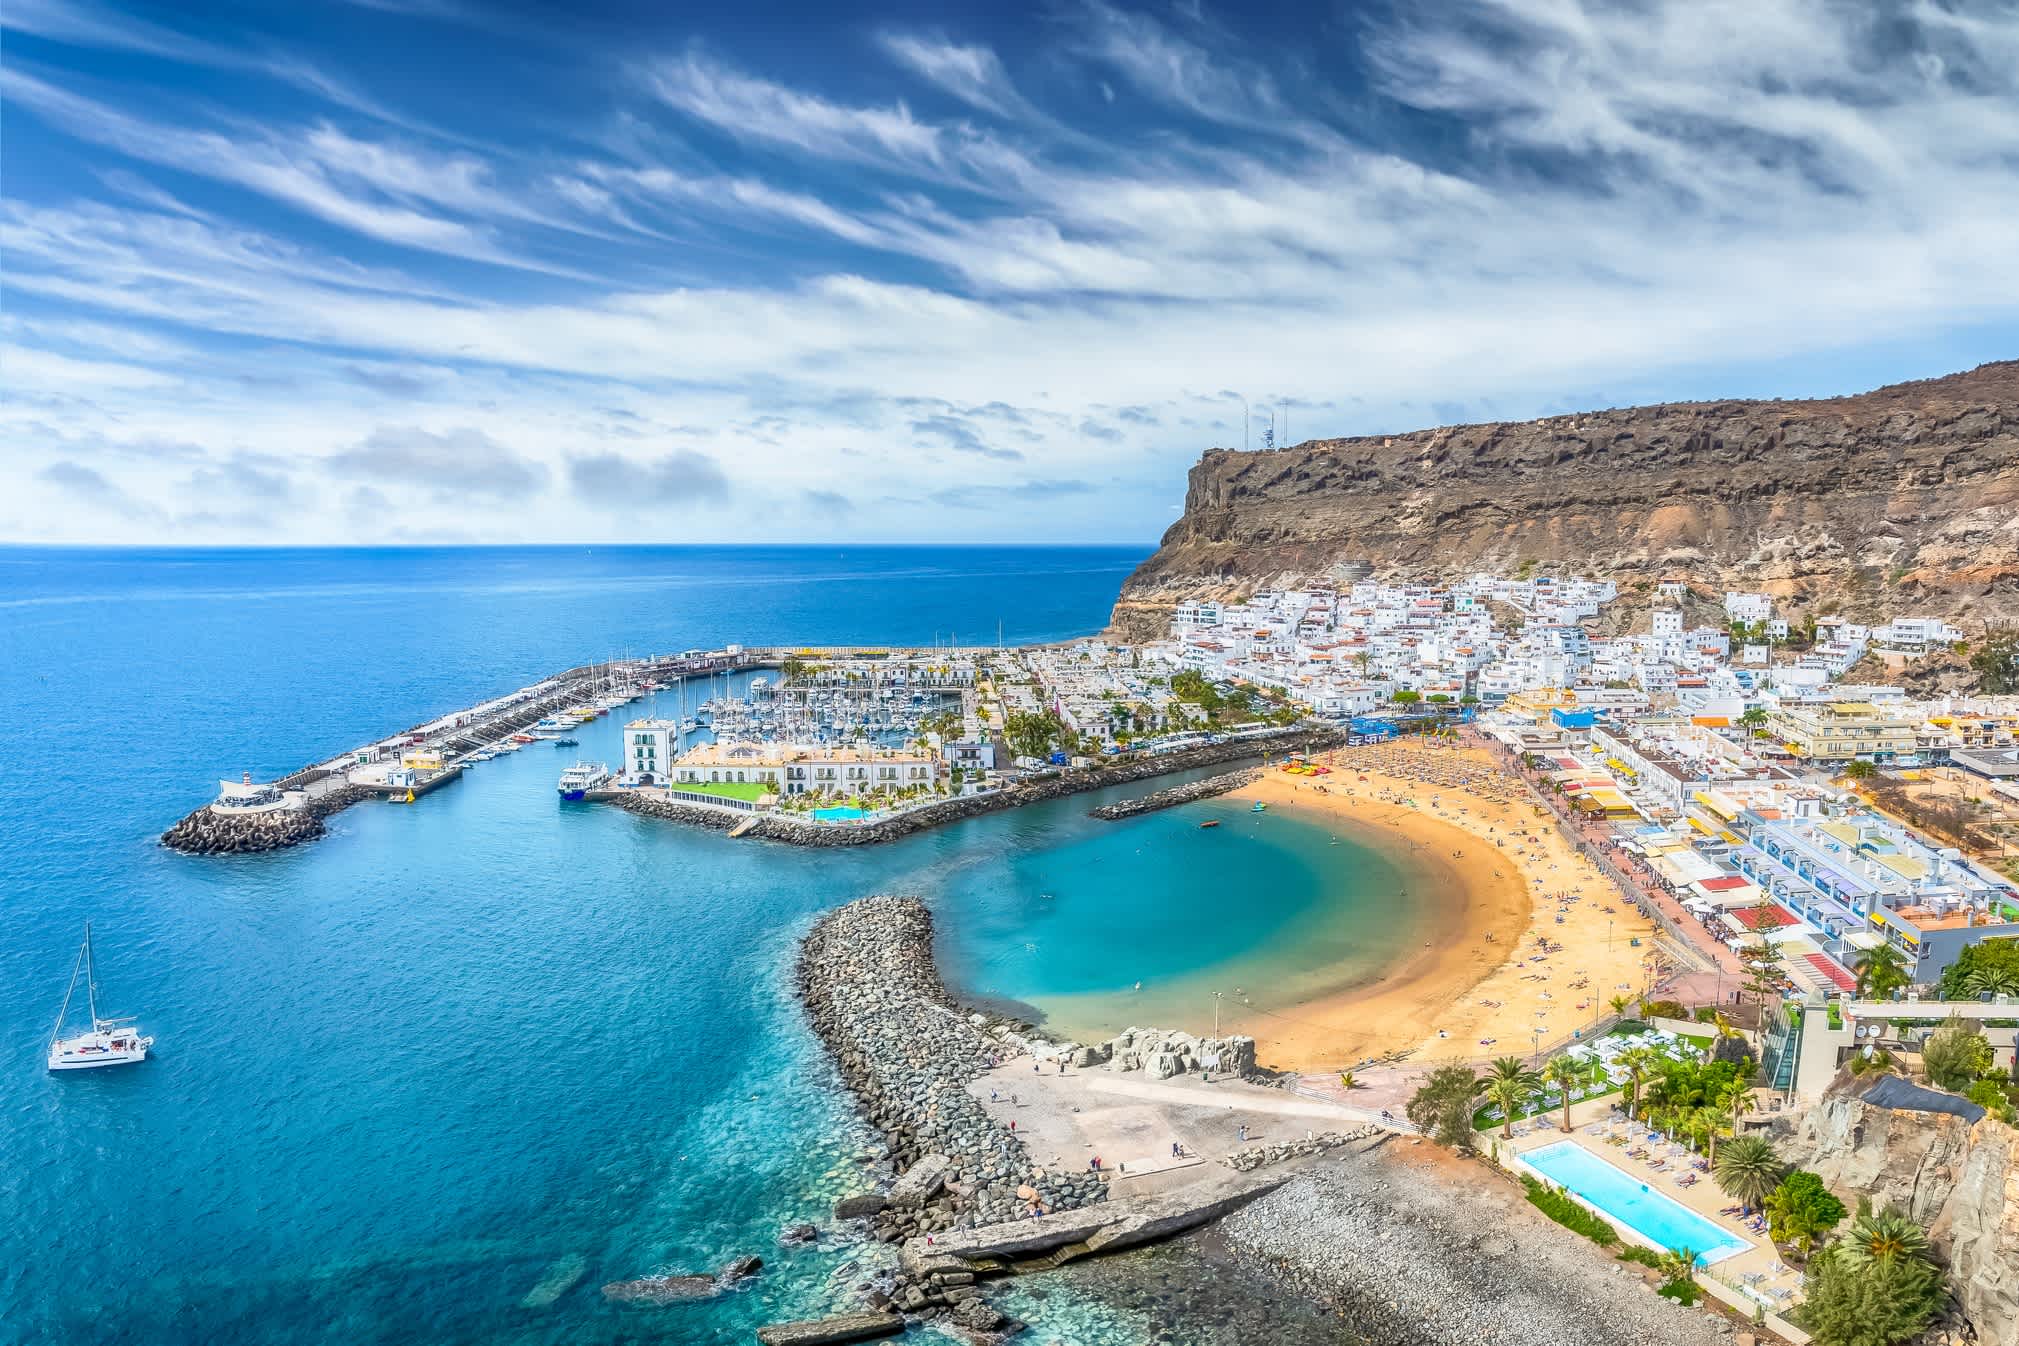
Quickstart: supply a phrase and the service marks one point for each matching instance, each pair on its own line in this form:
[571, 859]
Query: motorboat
[579, 779]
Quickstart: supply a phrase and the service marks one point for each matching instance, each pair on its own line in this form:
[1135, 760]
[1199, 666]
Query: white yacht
[111, 1042]
[581, 778]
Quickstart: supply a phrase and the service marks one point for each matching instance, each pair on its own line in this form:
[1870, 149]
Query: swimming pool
[1614, 1192]
[843, 812]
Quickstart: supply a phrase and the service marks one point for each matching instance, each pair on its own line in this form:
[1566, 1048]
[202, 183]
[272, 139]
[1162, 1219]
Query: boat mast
[90, 977]
[64, 1013]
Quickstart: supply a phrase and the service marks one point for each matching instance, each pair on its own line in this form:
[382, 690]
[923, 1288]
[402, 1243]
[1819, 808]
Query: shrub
[1875, 1286]
[1568, 1213]
[1663, 1009]
[1955, 1055]
[1633, 1252]
[1442, 1107]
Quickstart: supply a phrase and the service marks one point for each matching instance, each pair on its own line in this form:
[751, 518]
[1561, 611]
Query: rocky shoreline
[1037, 790]
[1208, 788]
[1408, 1252]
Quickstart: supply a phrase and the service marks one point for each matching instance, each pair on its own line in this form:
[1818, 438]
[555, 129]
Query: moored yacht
[581, 778]
[110, 1042]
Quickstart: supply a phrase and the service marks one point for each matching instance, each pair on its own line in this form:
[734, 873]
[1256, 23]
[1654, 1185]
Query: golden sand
[1481, 986]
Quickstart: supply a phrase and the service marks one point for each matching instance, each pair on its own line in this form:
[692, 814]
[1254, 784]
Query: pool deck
[1746, 1276]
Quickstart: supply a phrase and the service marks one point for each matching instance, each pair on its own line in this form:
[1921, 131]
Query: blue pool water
[412, 1071]
[1654, 1215]
[837, 811]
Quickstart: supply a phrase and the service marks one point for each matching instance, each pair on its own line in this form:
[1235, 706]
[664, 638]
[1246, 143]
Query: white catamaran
[111, 1042]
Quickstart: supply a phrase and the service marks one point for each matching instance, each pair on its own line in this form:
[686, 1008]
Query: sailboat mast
[64, 1013]
[90, 977]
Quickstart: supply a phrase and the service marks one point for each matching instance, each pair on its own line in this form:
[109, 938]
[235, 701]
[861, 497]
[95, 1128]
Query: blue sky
[433, 271]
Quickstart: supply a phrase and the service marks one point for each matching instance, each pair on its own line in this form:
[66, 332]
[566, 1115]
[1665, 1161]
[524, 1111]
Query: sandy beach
[1502, 882]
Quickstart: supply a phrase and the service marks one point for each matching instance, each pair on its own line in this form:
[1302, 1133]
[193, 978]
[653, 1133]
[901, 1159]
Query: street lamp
[1216, 1014]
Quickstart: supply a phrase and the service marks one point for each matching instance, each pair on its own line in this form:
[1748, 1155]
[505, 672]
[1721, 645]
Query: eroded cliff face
[1959, 1180]
[1906, 498]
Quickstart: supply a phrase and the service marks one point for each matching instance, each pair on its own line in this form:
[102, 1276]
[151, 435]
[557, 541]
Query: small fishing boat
[1210, 822]
[1260, 807]
[111, 1042]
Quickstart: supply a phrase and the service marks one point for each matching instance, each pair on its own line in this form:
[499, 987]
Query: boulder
[843, 1327]
[662, 1290]
[798, 1233]
[921, 1182]
[1166, 1064]
[866, 1206]
[739, 1269]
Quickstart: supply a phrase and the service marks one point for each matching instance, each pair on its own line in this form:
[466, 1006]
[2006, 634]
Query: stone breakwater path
[1208, 788]
[907, 1052]
[1038, 789]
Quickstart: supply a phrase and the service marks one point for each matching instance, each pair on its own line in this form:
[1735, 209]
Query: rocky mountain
[1958, 1178]
[1903, 499]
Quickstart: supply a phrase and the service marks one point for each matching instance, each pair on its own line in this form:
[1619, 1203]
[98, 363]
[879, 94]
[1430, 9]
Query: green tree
[1880, 971]
[1881, 1306]
[1509, 1086]
[1877, 1236]
[1678, 1271]
[1747, 1169]
[1034, 733]
[1992, 1096]
[1762, 960]
[1753, 719]
[1801, 1211]
[1639, 1063]
[1997, 662]
[1859, 769]
[1997, 959]
[1564, 1072]
[1406, 697]
[1442, 1107]
[1955, 1055]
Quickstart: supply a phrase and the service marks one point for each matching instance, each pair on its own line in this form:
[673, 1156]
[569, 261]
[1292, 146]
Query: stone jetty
[208, 831]
[1036, 789]
[907, 1052]
[1177, 794]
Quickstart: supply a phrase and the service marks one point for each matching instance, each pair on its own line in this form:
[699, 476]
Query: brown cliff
[1905, 499]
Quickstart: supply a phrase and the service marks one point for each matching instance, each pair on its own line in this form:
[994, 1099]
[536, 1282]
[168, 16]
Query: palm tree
[1676, 1266]
[1881, 1235]
[1564, 1072]
[1880, 971]
[1748, 1170]
[1637, 1062]
[1509, 1086]
[1620, 1004]
[1753, 720]
[1992, 981]
[1707, 1122]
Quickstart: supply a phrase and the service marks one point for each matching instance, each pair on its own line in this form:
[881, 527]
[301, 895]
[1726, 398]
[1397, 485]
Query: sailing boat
[111, 1042]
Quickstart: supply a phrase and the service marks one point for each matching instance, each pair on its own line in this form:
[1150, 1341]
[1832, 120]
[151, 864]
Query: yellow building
[1837, 731]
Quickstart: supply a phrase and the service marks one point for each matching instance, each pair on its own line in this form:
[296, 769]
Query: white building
[649, 749]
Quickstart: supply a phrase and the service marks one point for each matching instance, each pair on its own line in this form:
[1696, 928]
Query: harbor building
[649, 749]
[790, 769]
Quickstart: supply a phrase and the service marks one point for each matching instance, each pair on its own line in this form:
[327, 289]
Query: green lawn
[743, 790]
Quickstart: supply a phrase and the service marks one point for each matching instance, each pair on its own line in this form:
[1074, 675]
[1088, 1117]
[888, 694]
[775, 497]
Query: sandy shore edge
[1494, 869]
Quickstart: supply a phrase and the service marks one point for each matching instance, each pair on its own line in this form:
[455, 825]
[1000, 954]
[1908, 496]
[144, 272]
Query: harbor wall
[1037, 790]
[1177, 794]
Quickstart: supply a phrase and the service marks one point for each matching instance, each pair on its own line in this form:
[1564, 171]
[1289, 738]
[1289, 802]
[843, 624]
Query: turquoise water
[408, 1073]
[1655, 1216]
[835, 811]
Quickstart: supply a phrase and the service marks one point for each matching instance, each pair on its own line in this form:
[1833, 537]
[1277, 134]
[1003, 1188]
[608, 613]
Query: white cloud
[1586, 196]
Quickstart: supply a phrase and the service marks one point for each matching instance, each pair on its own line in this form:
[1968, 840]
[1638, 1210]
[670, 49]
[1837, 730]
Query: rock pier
[908, 1052]
[211, 832]
[1177, 794]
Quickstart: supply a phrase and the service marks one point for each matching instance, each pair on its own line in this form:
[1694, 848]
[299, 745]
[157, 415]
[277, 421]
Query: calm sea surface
[411, 1072]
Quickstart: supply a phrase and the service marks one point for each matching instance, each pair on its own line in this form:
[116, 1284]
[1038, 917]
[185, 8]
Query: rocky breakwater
[1177, 794]
[907, 1052]
[209, 831]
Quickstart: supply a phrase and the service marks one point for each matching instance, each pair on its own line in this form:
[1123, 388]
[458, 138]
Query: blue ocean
[442, 1074]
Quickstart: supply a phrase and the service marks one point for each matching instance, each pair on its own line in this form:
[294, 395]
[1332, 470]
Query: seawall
[1056, 785]
[907, 1052]
[1175, 795]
